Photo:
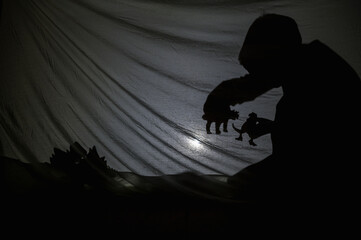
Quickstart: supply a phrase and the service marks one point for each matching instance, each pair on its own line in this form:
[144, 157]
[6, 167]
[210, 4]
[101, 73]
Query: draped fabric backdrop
[130, 77]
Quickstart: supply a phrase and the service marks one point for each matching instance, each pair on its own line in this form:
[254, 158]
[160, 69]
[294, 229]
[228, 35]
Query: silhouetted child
[319, 91]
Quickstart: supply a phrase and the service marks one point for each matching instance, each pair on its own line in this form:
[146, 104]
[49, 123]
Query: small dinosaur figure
[219, 118]
[254, 127]
[217, 105]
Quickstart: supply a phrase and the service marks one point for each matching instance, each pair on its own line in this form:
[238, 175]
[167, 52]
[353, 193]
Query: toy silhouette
[219, 119]
[255, 127]
[217, 109]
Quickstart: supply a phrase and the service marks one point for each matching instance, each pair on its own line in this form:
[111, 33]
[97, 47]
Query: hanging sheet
[130, 77]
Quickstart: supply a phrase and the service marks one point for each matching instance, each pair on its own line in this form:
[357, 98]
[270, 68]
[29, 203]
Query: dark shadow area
[78, 193]
[1, 7]
[313, 169]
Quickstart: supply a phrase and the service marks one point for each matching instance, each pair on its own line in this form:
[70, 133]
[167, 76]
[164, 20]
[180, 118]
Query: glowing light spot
[195, 144]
